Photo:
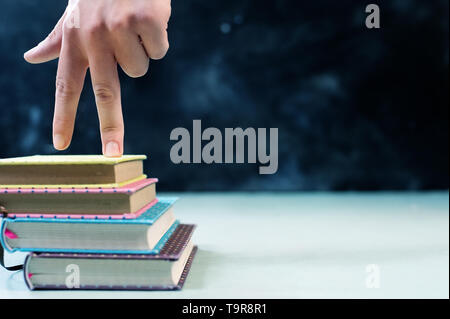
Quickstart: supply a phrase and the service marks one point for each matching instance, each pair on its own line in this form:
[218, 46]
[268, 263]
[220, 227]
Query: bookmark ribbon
[2, 250]
[10, 234]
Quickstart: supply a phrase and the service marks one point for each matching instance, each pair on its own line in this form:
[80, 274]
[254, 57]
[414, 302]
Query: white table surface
[302, 245]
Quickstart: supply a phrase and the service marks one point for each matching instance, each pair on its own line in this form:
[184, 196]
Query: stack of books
[92, 222]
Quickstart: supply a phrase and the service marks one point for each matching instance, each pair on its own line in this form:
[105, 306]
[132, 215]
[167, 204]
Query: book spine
[26, 274]
[3, 236]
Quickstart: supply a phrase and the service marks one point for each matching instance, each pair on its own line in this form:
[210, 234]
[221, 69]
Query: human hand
[99, 34]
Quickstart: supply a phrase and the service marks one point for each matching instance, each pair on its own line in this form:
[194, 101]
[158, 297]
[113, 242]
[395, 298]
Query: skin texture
[96, 36]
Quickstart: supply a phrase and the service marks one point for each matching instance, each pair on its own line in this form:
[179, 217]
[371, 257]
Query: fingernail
[112, 149]
[59, 142]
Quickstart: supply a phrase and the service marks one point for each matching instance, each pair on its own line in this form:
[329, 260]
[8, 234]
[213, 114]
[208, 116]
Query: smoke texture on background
[357, 109]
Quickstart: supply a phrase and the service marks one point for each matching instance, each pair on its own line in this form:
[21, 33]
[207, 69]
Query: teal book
[145, 234]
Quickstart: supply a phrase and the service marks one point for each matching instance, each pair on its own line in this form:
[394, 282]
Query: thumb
[49, 48]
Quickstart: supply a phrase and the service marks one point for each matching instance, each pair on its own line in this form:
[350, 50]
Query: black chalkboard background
[357, 109]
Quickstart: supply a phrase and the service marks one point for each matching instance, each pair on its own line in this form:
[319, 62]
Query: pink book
[117, 202]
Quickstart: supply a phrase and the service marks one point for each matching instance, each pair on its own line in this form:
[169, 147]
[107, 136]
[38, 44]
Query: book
[164, 271]
[127, 199]
[68, 171]
[97, 214]
[145, 234]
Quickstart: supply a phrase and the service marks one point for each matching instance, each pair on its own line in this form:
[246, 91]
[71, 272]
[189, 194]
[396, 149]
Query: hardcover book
[110, 201]
[145, 234]
[164, 271]
[68, 171]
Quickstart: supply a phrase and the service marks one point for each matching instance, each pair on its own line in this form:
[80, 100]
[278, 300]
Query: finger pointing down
[69, 83]
[106, 86]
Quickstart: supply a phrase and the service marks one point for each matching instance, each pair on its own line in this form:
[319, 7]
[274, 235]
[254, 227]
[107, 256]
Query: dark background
[357, 109]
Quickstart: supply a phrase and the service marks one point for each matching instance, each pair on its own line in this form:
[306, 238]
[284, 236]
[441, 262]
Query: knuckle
[147, 18]
[156, 14]
[162, 10]
[104, 94]
[130, 19]
[95, 29]
[120, 24]
[64, 89]
[68, 30]
[112, 129]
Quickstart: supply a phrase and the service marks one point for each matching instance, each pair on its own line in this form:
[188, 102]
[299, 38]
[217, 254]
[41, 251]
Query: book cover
[69, 160]
[147, 218]
[50, 202]
[70, 171]
[171, 252]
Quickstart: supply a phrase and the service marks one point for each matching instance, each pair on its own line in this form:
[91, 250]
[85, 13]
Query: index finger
[106, 86]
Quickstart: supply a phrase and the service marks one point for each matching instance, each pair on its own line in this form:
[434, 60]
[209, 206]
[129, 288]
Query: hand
[98, 34]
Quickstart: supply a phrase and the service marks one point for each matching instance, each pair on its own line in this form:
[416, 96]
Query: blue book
[145, 234]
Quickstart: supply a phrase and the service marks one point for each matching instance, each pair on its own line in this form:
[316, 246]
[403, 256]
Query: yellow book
[68, 171]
